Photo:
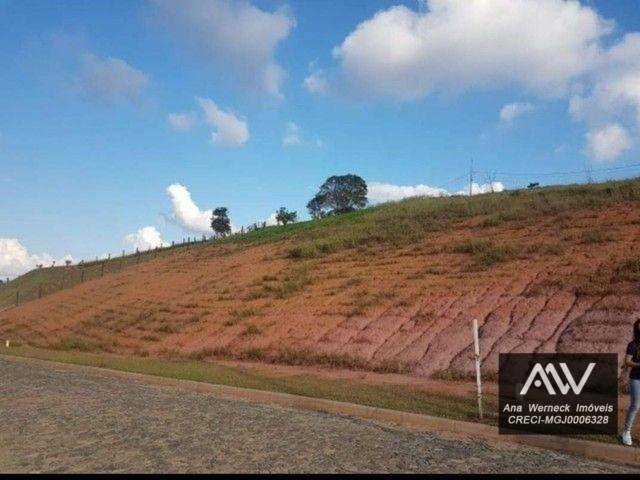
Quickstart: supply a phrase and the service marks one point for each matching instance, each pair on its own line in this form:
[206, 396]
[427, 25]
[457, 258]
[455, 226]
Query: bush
[594, 236]
[473, 245]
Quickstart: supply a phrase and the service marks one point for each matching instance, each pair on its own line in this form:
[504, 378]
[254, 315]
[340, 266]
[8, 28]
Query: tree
[283, 216]
[220, 222]
[339, 194]
[315, 207]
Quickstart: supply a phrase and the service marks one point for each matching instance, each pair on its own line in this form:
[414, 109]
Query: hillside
[391, 288]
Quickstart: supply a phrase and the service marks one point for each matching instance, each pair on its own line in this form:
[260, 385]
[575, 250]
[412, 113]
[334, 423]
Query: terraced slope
[553, 270]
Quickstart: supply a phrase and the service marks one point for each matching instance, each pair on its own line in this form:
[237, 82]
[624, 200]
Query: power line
[572, 172]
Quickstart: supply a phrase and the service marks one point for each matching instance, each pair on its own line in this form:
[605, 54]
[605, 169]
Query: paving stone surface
[56, 420]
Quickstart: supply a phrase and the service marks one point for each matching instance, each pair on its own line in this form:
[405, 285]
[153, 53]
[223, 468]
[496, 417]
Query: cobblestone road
[52, 420]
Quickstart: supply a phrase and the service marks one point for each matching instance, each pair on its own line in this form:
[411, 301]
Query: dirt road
[53, 419]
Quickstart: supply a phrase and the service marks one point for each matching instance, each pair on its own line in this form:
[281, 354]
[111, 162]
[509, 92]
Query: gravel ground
[55, 420]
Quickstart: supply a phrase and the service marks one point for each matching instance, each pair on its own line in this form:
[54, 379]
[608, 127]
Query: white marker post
[476, 346]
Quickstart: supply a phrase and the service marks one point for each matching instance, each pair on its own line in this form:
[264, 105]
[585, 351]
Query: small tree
[283, 216]
[339, 194]
[220, 222]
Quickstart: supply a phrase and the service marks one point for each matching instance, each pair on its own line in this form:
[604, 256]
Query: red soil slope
[392, 309]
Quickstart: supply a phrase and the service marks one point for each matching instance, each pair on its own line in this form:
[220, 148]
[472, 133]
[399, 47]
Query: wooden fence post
[17, 297]
[476, 348]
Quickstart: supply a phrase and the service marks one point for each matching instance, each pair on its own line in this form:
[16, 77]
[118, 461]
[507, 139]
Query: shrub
[629, 271]
[473, 245]
[594, 236]
[495, 254]
[236, 316]
[251, 329]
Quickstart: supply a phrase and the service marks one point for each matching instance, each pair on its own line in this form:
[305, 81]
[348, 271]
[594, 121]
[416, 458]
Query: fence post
[102, 269]
[17, 297]
[476, 348]
[40, 291]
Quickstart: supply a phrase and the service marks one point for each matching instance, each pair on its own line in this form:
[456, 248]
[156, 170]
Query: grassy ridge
[398, 223]
[404, 222]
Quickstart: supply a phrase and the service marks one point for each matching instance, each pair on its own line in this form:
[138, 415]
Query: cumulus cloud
[144, 239]
[615, 84]
[387, 192]
[181, 122]
[111, 79]
[478, 189]
[316, 82]
[233, 34]
[15, 259]
[606, 144]
[511, 111]
[541, 45]
[185, 212]
[271, 220]
[231, 130]
[379, 192]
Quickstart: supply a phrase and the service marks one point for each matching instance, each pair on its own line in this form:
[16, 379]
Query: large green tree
[220, 222]
[339, 194]
[285, 216]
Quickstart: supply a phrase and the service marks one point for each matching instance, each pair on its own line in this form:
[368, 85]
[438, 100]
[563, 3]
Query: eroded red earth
[386, 307]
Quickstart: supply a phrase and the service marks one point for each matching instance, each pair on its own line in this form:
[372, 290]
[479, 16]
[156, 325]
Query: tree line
[337, 195]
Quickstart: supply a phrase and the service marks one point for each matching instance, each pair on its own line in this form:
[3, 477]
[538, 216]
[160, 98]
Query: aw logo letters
[558, 393]
[540, 376]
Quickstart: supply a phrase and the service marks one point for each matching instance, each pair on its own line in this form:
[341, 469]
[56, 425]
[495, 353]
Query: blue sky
[401, 93]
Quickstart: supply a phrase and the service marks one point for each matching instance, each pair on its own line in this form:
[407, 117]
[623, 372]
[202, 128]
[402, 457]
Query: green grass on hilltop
[397, 223]
[404, 222]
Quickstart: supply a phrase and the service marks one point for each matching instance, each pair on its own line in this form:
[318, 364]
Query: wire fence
[47, 280]
[44, 281]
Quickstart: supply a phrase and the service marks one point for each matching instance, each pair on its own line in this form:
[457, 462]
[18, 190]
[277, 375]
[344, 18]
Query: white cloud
[181, 122]
[387, 192]
[233, 34]
[541, 45]
[111, 79]
[316, 81]
[271, 220]
[144, 239]
[15, 259]
[477, 189]
[379, 192]
[614, 90]
[231, 131]
[185, 212]
[511, 111]
[606, 144]
[291, 135]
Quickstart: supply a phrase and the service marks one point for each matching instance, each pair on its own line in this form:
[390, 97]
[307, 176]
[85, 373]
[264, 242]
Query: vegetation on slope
[400, 223]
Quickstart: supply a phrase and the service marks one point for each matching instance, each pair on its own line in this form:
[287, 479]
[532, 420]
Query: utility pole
[471, 177]
[587, 171]
[476, 351]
